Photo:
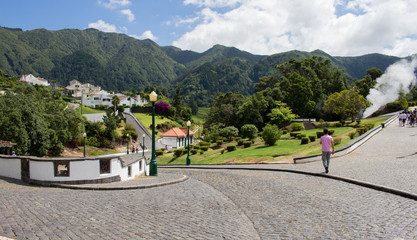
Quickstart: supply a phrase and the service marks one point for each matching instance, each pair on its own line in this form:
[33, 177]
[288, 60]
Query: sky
[265, 27]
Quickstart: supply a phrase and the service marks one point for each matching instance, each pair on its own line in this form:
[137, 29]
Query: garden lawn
[146, 120]
[87, 110]
[285, 147]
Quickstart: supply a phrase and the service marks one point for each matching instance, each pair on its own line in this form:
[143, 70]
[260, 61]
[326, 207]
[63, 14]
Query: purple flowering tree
[162, 108]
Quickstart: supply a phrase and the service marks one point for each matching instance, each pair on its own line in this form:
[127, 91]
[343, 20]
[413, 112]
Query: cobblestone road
[212, 204]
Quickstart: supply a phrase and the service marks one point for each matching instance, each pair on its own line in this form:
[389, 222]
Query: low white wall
[10, 167]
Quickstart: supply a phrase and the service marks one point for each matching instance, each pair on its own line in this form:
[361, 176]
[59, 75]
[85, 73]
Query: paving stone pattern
[291, 206]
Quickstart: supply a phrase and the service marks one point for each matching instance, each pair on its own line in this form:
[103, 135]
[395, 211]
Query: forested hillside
[118, 62]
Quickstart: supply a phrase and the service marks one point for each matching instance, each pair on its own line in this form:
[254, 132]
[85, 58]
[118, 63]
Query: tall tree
[346, 103]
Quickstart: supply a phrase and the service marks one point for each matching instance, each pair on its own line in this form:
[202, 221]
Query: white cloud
[271, 26]
[129, 14]
[148, 35]
[114, 3]
[103, 26]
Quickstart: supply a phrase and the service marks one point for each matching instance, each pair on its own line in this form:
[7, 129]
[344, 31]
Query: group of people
[407, 117]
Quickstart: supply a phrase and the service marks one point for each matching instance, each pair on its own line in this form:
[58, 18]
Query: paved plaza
[227, 203]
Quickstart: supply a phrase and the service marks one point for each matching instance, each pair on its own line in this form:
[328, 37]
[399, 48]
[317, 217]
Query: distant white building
[104, 98]
[32, 80]
[77, 89]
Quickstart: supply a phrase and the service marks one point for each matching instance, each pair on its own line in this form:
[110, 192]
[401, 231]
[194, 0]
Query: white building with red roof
[176, 138]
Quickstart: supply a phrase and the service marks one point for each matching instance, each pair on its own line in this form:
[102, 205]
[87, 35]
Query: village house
[77, 89]
[176, 138]
[32, 80]
[105, 98]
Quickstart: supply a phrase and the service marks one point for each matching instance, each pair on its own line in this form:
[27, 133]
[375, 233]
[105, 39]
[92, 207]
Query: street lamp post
[127, 144]
[143, 145]
[188, 162]
[85, 136]
[153, 171]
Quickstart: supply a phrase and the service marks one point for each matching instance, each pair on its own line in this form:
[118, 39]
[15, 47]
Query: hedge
[247, 143]
[312, 138]
[304, 140]
[294, 134]
[204, 148]
[231, 148]
[159, 152]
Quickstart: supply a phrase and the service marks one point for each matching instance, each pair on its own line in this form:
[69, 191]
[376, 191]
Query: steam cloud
[398, 77]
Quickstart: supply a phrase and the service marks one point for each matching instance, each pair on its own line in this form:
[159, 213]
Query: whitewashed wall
[10, 167]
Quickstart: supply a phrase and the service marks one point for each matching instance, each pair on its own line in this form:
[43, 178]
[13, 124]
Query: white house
[98, 98]
[78, 89]
[176, 138]
[32, 80]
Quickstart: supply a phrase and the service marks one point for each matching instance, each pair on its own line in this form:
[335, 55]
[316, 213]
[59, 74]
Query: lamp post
[188, 162]
[143, 145]
[127, 144]
[153, 171]
[84, 136]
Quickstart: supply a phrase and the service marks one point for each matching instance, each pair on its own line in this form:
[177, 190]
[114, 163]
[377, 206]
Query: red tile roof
[177, 132]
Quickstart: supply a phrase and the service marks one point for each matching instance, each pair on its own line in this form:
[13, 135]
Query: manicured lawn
[286, 147]
[87, 110]
[146, 120]
[202, 112]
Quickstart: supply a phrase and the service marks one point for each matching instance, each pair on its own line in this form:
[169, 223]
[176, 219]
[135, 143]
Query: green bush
[358, 121]
[196, 147]
[296, 126]
[247, 144]
[285, 131]
[193, 151]
[304, 140]
[240, 142]
[312, 138]
[331, 131]
[271, 134]
[299, 136]
[222, 151]
[231, 148]
[201, 152]
[352, 135]
[319, 134]
[178, 153]
[159, 152]
[229, 132]
[249, 131]
[205, 144]
[338, 124]
[204, 148]
[361, 130]
[294, 134]
[337, 140]
[219, 142]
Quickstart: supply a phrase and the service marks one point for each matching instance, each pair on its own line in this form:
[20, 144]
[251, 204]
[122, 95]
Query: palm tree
[115, 102]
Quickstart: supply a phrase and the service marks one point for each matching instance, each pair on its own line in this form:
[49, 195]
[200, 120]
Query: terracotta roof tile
[177, 132]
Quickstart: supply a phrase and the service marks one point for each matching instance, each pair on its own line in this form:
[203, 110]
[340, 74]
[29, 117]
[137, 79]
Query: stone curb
[343, 179]
[99, 187]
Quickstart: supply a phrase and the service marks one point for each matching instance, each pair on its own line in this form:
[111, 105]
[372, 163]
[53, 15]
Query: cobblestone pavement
[212, 204]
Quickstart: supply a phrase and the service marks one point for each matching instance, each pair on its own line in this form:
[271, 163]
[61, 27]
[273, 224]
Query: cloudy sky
[338, 27]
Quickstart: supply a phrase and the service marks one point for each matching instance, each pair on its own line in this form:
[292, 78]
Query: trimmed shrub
[271, 134]
[312, 138]
[296, 126]
[249, 131]
[219, 142]
[201, 152]
[229, 132]
[331, 131]
[193, 151]
[237, 139]
[294, 134]
[285, 131]
[231, 148]
[159, 152]
[358, 121]
[319, 134]
[338, 124]
[196, 147]
[299, 136]
[204, 148]
[304, 140]
[240, 142]
[337, 141]
[178, 153]
[222, 151]
[247, 143]
[352, 135]
[361, 130]
[205, 144]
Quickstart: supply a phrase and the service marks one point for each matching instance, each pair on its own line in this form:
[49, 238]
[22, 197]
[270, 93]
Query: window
[61, 168]
[104, 166]
[129, 171]
[96, 98]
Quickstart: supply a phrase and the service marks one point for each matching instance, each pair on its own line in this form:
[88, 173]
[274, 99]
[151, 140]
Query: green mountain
[118, 62]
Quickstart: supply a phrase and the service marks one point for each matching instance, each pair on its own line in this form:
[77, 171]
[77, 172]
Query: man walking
[327, 147]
